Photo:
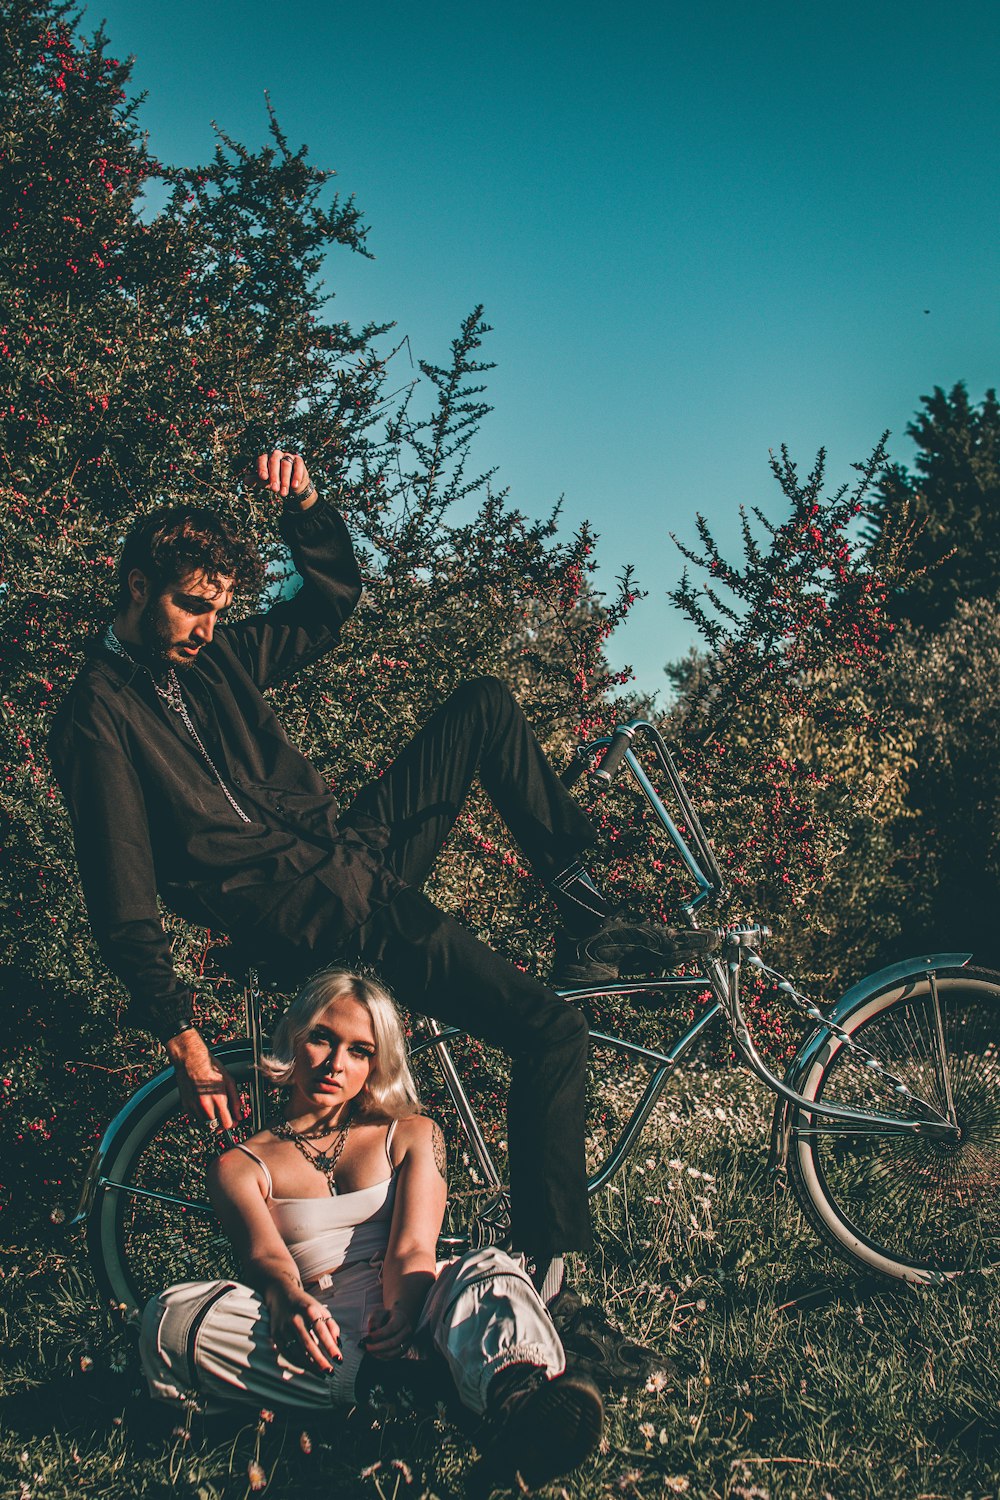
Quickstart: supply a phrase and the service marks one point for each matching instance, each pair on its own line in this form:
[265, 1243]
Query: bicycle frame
[720, 977]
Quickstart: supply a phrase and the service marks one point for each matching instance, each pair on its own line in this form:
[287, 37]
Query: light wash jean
[212, 1339]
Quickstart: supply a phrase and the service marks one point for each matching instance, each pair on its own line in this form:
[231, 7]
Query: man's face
[176, 623]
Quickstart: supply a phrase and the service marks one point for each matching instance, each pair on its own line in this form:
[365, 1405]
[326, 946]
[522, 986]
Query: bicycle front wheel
[909, 1206]
[150, 1224]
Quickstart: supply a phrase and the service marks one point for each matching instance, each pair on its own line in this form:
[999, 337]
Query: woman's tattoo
[440, 1156]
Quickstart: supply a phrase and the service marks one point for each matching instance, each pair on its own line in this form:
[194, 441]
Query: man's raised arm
[299, 630]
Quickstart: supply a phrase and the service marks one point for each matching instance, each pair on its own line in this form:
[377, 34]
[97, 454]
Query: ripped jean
[211, 1339]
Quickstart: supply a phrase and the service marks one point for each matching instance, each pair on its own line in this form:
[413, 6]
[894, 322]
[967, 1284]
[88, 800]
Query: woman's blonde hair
[390, 1092]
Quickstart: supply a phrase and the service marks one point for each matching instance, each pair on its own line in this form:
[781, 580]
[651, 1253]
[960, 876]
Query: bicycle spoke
[923, 1199]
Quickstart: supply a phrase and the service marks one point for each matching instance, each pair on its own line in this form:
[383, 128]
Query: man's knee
[486, 695]
[564, 1027]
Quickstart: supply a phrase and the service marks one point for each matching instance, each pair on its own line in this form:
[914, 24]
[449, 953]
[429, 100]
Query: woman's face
[334, 1058]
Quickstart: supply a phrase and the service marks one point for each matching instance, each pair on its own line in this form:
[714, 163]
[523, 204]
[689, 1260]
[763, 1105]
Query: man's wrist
[304, 499]
[184, 1043]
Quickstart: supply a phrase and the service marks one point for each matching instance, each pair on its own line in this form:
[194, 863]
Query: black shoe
[626, 948]
[540, 1428]
[596, 1348]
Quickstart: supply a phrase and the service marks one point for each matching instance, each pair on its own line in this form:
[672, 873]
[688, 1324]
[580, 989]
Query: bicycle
[887, 1119]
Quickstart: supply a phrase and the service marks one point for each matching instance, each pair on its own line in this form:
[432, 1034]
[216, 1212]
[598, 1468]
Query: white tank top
[323, 1234]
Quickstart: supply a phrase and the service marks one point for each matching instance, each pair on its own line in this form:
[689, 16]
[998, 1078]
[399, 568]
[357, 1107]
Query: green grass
[792, 1378]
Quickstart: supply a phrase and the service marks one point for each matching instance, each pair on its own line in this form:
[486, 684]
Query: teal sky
[698, 232]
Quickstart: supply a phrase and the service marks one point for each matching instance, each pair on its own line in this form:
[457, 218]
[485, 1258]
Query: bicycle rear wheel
[910, 1206]
[150, 1224]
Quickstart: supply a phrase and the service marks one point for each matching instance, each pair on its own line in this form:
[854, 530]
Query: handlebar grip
[614, 755]
[573, 771]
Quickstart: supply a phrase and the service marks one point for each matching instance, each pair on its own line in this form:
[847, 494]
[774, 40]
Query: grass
[791, 1379]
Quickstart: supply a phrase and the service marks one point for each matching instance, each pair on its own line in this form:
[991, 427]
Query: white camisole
[324, 1234]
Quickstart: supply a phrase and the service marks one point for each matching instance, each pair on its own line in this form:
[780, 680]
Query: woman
[335, 1211]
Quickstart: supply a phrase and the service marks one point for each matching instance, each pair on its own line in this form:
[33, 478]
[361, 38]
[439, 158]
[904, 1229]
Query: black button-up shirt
[150, 818]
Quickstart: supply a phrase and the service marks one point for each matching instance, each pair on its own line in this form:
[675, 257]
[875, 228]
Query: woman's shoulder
[243, 1162]
[415, 1134]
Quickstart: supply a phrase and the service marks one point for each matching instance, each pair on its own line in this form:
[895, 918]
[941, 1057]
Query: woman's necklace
[323, 1161]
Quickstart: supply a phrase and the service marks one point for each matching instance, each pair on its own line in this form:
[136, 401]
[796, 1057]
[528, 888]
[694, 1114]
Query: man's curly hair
[175, 541]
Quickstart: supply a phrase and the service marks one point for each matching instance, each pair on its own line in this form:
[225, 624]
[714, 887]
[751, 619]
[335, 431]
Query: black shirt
[149, 817]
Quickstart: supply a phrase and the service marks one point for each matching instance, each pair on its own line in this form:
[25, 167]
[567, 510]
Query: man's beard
[157, 641]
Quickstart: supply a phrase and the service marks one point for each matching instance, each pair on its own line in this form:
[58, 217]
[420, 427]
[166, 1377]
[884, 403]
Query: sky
[698, 232]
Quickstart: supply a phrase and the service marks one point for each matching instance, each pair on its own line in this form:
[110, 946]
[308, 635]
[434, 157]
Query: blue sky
[698, 232]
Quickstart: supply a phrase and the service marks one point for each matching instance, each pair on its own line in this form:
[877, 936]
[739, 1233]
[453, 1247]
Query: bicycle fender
[120, 1127]
[892, 976]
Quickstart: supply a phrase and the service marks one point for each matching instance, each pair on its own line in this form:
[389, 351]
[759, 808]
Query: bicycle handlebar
[615, 754]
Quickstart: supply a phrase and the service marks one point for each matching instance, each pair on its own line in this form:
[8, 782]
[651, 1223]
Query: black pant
[434, 966]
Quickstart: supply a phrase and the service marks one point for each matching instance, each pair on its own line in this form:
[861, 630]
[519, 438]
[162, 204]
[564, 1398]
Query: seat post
[251, 1004]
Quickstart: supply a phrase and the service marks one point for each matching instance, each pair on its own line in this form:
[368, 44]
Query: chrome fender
[895, 976]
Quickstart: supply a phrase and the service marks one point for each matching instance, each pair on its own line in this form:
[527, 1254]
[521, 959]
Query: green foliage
[781, 726]
[148, 357]
[950, 507]
[946, 687]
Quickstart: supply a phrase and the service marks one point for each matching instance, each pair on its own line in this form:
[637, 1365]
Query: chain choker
[323, 1161]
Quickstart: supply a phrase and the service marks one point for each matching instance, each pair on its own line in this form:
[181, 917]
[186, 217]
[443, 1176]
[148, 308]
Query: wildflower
[404, 1469]
[305, 1442]
[675, 1164]
[657, 1382]
[266, 1416]
[701, 1304]
[677, 1484]
[86, 1363]
[648, 1430]
[371, 1469]
[256, 1475]
[693, 1172]
[629, 1479]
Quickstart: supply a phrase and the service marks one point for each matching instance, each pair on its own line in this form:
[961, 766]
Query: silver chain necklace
[323, 1161]
[172, 697]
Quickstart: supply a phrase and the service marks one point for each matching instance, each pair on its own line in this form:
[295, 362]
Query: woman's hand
[390, 1333]
[302, 1329]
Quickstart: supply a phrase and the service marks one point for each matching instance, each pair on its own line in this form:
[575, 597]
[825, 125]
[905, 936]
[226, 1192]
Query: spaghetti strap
[388, 1143]
[263, 1167]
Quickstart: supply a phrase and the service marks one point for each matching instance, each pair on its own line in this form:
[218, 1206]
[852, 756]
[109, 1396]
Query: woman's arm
[299, 1323]
[418, 1213]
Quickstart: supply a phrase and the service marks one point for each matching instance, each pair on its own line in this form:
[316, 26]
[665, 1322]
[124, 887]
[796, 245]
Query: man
[181, 784]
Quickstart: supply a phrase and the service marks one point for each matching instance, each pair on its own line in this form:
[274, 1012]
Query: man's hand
[206, 1089]
[286, 473]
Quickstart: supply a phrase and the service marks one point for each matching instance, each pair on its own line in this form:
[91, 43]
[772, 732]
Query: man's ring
[211, 1124]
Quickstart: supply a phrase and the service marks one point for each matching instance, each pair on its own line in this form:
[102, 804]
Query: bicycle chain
[812, 1012]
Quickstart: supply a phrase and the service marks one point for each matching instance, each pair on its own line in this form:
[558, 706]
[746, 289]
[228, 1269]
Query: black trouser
[434, 966]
